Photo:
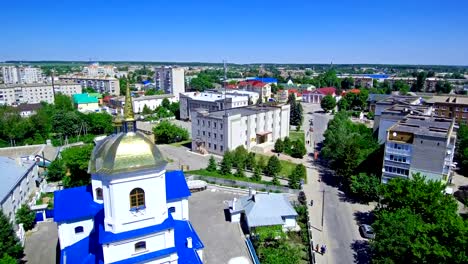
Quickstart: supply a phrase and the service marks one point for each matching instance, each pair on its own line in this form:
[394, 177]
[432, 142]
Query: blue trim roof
[176, 186]
[75, 203]
[183, 230]
[265, 79]
[149, 256]
[106, 237]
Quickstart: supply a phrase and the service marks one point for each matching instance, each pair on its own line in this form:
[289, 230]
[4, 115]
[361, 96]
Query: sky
[239, 31]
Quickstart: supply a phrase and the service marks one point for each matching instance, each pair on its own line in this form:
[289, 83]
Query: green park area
[296, 135]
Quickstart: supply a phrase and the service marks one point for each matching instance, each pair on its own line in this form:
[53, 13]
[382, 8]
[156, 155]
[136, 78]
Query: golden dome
[124, 152]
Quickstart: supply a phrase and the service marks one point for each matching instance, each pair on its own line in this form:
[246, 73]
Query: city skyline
[301, 32]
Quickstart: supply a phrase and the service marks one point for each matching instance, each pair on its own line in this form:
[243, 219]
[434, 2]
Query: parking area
[223, 240]
[40, 246]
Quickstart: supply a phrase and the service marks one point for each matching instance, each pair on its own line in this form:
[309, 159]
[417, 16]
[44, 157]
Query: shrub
[166, 132]
[25, 216]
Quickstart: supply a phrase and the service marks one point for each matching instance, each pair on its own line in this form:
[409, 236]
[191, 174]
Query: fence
[252, 252]
[243, 184]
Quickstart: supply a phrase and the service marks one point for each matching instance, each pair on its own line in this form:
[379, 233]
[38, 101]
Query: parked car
[367, 231]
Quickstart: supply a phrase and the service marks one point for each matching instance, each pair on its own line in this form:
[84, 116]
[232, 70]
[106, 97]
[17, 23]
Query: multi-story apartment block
[251, 126]
[420, 144]
[170, 80]
[102, 85]
[211, 101]
[450, 107]
[96, 70]
[15, 94]
[388, 102]
[22, 75]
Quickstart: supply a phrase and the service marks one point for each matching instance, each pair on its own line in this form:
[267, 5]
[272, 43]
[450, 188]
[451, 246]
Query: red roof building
[316, 96]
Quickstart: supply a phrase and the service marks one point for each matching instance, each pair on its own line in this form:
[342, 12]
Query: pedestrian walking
[323, 249]
[317, 248]
[311, 202]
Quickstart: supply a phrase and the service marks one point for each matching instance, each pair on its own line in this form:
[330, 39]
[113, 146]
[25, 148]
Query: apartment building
[396, 113]
[388, 102]
[22, 75]
[450, 106]
[18, 183]
[262, 88]
[420, 144]
[96, 70]
[211, 101]
[251, 126]
[102, 85]
[15, 94]
[171, 80]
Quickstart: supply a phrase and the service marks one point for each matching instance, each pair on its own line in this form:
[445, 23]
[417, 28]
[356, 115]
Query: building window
[465, 109]
[209, 145]
[172, 209]
[99, 193]
[214, 135]
[203, 122]
[137, 199]
[198, 132]
[221, 148]
[209, 124]
[214, 146]
[203, 133]
[79, 229]
[140, 246]
[221, 126]
[221, 136]
[214, 124]
[209, 134]
[198, 122]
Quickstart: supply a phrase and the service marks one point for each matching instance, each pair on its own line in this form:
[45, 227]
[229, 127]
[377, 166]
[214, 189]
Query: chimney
[189, 242]
[250, 191]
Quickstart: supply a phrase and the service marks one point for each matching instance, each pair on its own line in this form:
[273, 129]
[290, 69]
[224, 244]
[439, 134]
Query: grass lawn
[293, 135]
[182, 143]
[286, 166]
[216, 174]
[46, 198]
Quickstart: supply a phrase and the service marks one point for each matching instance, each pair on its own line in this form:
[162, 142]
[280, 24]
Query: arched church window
[140, 246]
[99, 193]
[137, 199]
[78, 229]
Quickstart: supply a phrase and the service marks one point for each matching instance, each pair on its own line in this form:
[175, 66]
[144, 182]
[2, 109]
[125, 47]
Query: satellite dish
[449, 152]
[383, 169]
[394, 134]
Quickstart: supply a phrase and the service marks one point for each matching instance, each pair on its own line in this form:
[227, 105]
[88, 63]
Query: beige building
[102, 85]
[171, 80]
[15, 94]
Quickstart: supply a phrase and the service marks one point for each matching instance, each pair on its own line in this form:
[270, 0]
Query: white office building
[102, 85]
[151, 101]
[22, 75]
[251, 126]
[171, 80]
[15, 94]
[211, 101]
[96, 70]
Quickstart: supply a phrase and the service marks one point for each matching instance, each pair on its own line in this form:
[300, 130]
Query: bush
[166, 133]
[365, 187]
[279, 147]
[298, 150]
[25, 216]
[9, 241]
[211, 164]
[273, 167]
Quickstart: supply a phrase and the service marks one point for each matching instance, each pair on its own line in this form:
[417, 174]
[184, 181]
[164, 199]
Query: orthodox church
[133, 211]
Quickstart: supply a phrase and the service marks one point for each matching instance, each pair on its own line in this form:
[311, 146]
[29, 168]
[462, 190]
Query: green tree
[250, 161]
[365, 187]
[347, 83]
[240, 172]
[420, 83]
[273, 167]
[200, 83]
[461, 154]
[287, 145]
[226, 163]
[297, 115]
[166, 132]
[146, 110]
[240, 155]
[89, 90]
[98, 123]
[166, 103]
[56, 170]
[66, 123]
[261, 163]
[257, 174]
[7, 259]
[274, 88]
[417, 223]
[212, 166]
[298, 149]
[175, 109]
[76, 161]
[279, 147]
[328, 103]
[443, 87]
[296, 175]
[10, 244]
[25, 216]
[344, 104]
[63, 102]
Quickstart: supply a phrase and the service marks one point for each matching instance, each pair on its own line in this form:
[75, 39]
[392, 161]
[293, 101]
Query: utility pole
[225, 84]
[323, 205]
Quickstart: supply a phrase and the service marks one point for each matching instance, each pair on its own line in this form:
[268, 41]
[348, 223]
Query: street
[340, 229]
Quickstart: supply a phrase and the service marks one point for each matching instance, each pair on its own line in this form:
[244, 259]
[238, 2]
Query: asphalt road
[340, 229]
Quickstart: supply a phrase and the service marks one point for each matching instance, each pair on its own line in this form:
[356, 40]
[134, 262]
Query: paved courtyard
[223, 240]
[40, 246]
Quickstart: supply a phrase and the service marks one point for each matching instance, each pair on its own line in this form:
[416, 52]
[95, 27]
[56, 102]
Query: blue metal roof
[74, 204]
[378, 76]
[265, 79]
[183, 230]
[148, 256]
[176, 186]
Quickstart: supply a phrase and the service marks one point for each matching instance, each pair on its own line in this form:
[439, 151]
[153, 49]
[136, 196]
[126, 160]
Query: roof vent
[189, 242]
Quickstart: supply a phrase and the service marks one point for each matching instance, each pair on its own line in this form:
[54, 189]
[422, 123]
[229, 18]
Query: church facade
[133, 211]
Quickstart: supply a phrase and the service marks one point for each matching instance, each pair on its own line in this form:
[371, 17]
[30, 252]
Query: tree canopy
[9, 244]
[328, 103]
[25, 216]
[76, 160]
[166, 132]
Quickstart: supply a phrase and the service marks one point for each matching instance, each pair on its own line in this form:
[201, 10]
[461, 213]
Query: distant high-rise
[22, 75]
[170, 80]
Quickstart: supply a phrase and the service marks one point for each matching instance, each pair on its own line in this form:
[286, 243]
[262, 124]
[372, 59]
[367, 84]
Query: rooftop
[29, 107]
[243, 111]
[400, 99]
[6, 86]
[83, 77]
[12, 171]
[144, 98]
[84, 98]
[424, 125]
[448, 99]
[407, 109]
[211, 96]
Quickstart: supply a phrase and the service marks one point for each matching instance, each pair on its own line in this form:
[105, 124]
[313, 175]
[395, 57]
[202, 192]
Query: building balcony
[398, 151]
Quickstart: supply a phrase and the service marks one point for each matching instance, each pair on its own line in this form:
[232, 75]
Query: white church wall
[95, 185]
[67, 235]
[122, 218]
[200, 254]
[126, 249]
[181, 209]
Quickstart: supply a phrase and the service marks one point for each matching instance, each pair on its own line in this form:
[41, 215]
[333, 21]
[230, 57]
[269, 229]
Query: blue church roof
[176, 186]
[74, 204]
